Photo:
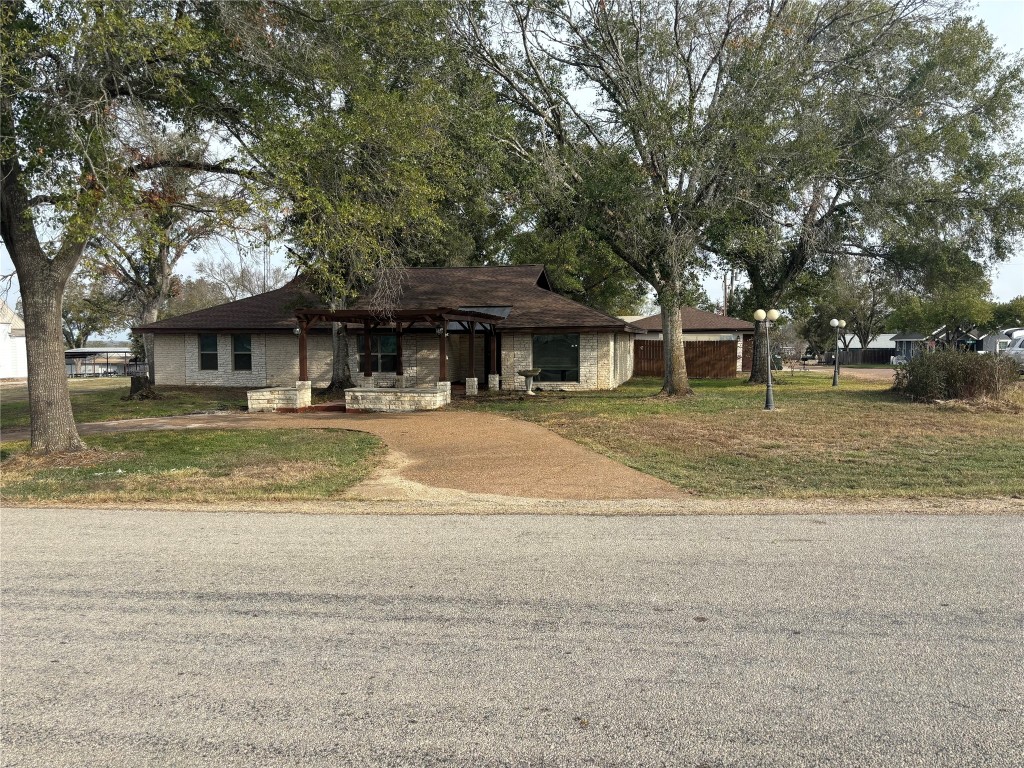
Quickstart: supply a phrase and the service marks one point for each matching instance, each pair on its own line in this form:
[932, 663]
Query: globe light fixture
[768, 318]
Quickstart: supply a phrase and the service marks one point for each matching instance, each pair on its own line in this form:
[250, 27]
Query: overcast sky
[1005, 18]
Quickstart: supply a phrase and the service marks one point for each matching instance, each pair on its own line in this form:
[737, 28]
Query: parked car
[1016, 351]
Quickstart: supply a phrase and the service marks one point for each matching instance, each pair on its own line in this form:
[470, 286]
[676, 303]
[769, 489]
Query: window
[207, 351]
[383, 353]
[557, 356]
[241, 351]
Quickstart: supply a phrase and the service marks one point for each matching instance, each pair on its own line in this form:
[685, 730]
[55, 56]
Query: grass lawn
[101, 400]
[857, 440]
[203, 465]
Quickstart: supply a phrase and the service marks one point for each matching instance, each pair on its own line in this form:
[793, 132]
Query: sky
[1004, 18]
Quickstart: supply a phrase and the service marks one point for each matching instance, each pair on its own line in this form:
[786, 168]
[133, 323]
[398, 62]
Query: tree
[192, 294]
[90, 306]
[80, 78]
[243, 276]
[640, 153]
[891, 139]
[1008, 314]
[952, 309]
[168, 213]
[384, 159]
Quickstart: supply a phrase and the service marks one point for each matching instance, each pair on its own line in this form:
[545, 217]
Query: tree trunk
[341, 372]
[150, 313]
[759, 364]
[676, 381]
[52, 421]
[42, 280]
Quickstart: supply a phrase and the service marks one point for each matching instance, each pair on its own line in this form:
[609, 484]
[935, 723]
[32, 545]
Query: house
[479, 326]
[13, 357]
[698, 325]
[714, 348]
[911, 343]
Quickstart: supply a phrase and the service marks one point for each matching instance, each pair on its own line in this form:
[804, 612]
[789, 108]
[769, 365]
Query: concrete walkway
[460, 451]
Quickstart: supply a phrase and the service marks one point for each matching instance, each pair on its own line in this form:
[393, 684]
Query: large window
[241, 351]
[207, 351]
[557, 356]
[383, 353]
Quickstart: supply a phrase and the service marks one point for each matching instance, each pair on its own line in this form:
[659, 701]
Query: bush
[953, 374]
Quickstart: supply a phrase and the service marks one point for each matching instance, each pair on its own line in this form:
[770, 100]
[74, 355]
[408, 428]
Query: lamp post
[837, 324]
[768, 318]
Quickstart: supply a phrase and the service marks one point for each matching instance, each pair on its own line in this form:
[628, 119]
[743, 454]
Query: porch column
[442, 342]
[399, 365]
[367, 352]
[472, 383]
[303, 357]
[493, 379]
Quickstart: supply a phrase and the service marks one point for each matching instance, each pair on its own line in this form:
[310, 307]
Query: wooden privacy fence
[865, 356]
[704, 359]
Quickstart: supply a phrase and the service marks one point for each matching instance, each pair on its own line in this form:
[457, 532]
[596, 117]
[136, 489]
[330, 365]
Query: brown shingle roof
[270, 311]
[523, 288]
[696, 320]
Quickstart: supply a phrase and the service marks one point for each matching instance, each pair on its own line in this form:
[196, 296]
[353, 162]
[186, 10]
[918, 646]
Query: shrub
[953, 374]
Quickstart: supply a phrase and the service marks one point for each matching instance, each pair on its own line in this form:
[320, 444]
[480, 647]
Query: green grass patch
[202, 465]
[857, 440]
[105, 400]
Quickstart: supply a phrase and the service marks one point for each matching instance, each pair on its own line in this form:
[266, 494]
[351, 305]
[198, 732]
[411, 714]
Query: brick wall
[225, 375]
[283, 359]
[169, 362]
[605, 361]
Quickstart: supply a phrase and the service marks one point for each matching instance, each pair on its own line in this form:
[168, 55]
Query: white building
[13, 359]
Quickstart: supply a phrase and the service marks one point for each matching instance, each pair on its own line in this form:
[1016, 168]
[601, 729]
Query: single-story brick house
[490, 322]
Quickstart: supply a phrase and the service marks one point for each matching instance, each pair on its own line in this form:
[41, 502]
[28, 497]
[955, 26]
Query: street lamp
[837, 324]
[768, 318]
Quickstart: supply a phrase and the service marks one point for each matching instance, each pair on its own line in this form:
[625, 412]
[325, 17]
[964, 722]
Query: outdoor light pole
[768, 318]
[837, 324]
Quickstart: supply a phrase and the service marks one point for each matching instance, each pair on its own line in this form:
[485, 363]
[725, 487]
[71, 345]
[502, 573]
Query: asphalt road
[173, 639]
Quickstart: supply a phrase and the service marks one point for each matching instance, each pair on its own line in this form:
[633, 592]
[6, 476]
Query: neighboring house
[715, 345]
[511, 314]
[698, 325]
[13, 358]
[909, 344]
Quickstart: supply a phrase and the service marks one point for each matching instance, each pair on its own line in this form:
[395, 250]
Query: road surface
[197, 639]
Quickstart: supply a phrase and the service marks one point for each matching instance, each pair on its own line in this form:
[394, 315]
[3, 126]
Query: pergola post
[493, 379]
[399, 366]
[442, 344]
[303, 352]
[472, 383]
[367, 351]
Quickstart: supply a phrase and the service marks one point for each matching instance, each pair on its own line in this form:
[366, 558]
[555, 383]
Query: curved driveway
[458, 450]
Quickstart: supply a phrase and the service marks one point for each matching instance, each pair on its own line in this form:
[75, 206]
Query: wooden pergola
[469, 318]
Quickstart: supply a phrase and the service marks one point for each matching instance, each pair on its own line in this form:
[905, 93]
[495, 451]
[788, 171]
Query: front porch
[407, 360]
